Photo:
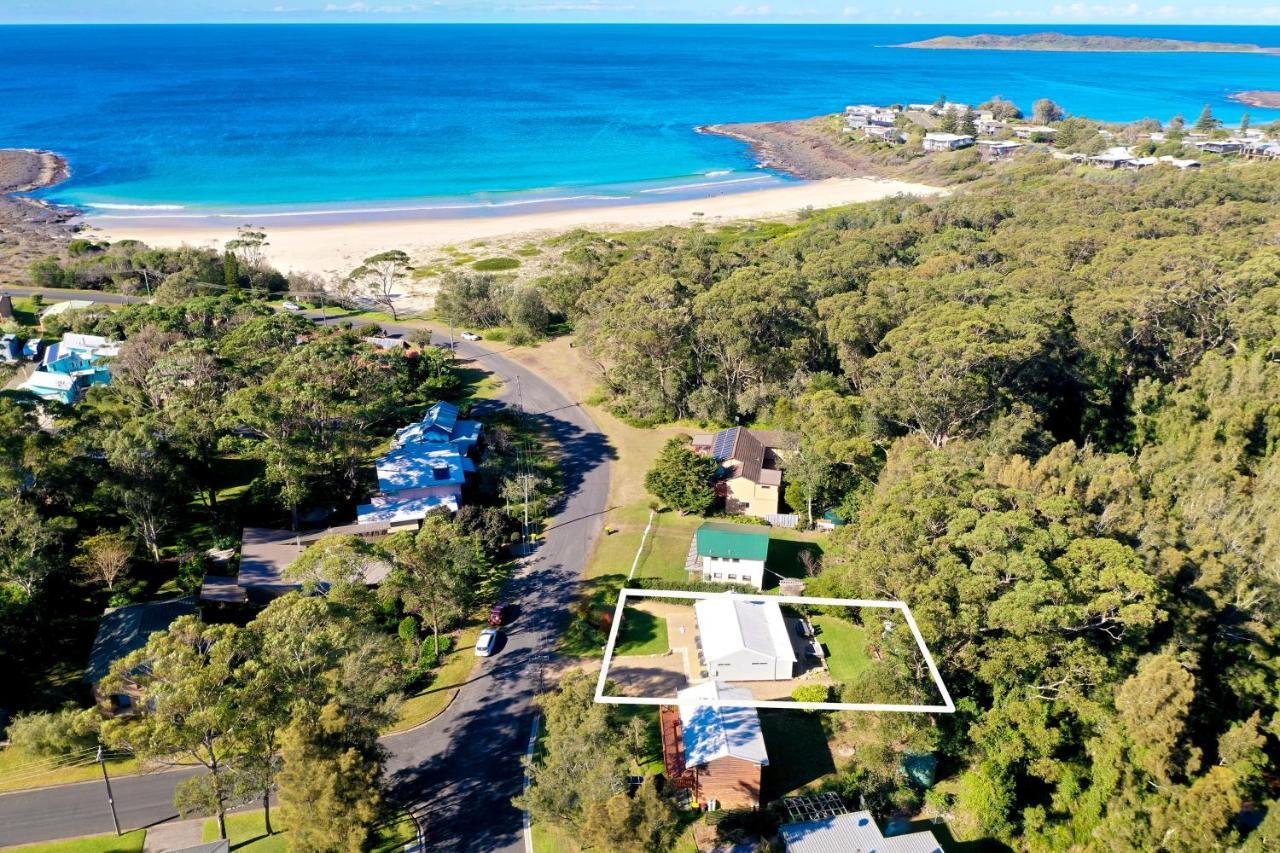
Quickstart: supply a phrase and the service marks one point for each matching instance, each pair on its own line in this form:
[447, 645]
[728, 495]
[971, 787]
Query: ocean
[275, 120]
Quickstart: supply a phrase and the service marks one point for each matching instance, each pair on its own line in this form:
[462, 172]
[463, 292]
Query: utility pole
[102, 761]
[452, 345]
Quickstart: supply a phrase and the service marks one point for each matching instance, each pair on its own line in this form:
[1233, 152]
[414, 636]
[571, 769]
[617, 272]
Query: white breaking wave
[258, 214]
[680, 187]
[105, 206]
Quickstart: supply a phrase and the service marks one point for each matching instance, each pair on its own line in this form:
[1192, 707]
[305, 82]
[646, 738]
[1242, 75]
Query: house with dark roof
[750, 482]
[715, 750]
[266, 555]
[124, 630]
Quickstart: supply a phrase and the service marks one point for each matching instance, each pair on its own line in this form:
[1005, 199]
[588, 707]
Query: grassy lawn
[247, 832]
[130, 842]
[20, 770]
[846, 647]
[664, 550]
[798, 751]
[25, 311]
[642, 633]
[785, 550]
[416, 710]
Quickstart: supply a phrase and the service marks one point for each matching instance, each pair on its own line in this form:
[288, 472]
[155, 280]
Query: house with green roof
[732, 553]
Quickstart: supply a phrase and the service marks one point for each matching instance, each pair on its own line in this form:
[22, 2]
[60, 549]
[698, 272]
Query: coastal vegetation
[1082, 43]
[1047, 405]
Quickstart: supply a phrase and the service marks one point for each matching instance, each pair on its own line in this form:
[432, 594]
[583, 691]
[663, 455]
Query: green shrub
[811, 693]
[55, 733]
[690, 585]
[495, 264]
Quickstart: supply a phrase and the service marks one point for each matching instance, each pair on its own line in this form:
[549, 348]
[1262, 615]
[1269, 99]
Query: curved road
[460, 771]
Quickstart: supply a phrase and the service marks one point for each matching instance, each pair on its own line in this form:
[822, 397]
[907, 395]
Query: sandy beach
[335, 249]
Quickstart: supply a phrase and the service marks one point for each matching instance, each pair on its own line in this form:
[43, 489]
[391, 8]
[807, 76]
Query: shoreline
[801, 148]
[335, 248]
[1261, 98]
[31, 228]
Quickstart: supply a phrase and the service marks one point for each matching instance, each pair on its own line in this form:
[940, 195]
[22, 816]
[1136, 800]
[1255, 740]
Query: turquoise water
[286, 118]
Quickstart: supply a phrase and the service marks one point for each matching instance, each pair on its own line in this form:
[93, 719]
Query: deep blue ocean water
[233, 117]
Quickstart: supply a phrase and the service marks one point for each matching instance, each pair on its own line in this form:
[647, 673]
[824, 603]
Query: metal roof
[443, 415]
[852, 833]
[734, 541]
[393, 511]
[715, 731]
[125, 629]
[416, 467]
[728, 625]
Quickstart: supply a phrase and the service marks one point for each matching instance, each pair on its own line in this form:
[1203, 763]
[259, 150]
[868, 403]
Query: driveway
[460, 771]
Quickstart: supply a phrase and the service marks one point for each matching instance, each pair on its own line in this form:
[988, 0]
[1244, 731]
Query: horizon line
[366, 22]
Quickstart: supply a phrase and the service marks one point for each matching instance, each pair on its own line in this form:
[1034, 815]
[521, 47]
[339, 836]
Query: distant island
[1084, 44]
[1258, 98]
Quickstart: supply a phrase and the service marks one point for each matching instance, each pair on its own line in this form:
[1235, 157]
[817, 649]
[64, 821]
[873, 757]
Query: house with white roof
[1035, 131]
[852, 831]
[946, 141]
[719, 750]
[425, 469]
[744, 640]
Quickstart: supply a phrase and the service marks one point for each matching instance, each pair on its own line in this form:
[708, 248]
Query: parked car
[486, 642]
[499, 613]
[470, 336]
[290, 306]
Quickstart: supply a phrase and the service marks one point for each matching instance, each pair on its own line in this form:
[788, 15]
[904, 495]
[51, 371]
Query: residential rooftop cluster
[425, 469]
[997, 138]
[67, 368]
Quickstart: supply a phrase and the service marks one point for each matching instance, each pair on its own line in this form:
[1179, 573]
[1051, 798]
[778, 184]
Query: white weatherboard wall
[729, 570]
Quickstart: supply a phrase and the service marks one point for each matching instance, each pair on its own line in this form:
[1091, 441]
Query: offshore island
[1083, 44]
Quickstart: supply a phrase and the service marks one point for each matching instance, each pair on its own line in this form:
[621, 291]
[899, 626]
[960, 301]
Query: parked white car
[470, 336]
[290, 306]
[486, 642]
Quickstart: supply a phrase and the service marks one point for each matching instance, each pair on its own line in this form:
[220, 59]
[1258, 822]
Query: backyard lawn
[642, 633]
[247, 832]
[846, 647]
[130, 842]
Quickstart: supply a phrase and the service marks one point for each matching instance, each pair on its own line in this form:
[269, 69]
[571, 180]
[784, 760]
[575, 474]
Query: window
[733, 577]
[122, 701]
[719, 576]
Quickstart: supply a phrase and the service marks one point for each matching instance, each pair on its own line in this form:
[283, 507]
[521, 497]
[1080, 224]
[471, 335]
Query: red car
[499, 613]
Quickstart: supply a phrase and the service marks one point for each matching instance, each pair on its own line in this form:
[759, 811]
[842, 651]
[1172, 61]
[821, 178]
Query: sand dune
[338, 248]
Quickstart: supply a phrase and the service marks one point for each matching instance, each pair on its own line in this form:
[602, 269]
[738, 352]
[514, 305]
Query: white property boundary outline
[947, 708]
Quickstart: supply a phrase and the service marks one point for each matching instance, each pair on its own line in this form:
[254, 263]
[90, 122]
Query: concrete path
[175, 835]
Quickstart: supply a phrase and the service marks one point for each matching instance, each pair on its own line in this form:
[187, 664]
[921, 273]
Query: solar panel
[722, 445]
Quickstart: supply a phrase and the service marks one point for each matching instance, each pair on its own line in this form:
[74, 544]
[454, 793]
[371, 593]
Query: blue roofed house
[71, 366]
[425, 469]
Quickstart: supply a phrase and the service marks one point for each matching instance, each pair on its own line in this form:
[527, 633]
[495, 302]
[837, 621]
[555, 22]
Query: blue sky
[726, 11]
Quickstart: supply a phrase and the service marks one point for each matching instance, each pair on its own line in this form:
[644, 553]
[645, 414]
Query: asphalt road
[460, 771]
[57, 294]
